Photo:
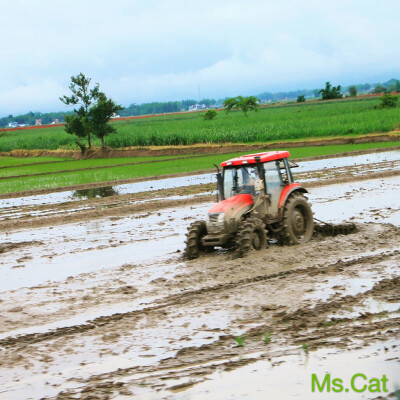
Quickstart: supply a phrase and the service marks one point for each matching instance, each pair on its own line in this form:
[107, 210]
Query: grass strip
[79, 165]
[6, 162]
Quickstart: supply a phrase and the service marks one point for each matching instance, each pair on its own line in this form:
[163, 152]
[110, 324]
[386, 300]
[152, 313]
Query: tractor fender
[286, 192]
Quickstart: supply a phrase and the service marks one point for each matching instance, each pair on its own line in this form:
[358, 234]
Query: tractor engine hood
[234, 207]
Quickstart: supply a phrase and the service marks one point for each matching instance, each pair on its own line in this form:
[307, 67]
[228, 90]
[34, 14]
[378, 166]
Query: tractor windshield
[239, 180]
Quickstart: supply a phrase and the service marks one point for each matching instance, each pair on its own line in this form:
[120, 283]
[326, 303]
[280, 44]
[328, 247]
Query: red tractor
[259, 200]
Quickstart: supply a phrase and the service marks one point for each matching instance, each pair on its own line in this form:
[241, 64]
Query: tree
[331, 92]
[301, 98]
[93, 114]
[209, 115]
[83, 95]
[77, 125]
[379, 89]
[245, 104]
[98, 116]
[353, 91]
[387, 101]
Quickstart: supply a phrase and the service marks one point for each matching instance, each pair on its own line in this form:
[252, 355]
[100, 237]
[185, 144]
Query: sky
[161, 50]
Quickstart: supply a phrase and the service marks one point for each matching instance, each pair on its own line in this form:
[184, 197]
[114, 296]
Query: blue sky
[142, 51]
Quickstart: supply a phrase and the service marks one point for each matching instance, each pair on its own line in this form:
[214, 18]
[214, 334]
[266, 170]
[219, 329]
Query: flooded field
[97, 303]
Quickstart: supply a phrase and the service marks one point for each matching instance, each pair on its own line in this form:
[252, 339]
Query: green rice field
[286, 122]
[110, 171]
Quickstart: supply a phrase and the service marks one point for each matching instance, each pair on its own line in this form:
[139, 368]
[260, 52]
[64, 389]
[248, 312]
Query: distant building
[55, 121]
[196, 107]
[16, 124]
[38, 121]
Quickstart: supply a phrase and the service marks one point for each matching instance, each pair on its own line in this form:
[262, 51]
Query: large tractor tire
[194, 247]
[251, 235]
[297, 220]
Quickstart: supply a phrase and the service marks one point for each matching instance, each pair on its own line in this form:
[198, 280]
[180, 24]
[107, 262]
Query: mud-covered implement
[258, 200]
[329, 229]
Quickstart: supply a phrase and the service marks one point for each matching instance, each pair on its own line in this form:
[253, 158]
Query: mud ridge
[8, 246]
[179, 299]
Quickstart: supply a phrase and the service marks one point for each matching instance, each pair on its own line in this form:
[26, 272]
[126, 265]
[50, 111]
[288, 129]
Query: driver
[249, 178]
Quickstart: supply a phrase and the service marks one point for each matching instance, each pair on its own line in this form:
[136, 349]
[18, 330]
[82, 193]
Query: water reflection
[104, 191]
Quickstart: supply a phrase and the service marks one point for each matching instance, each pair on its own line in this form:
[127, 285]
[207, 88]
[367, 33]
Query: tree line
[31, 117]
[164, 107]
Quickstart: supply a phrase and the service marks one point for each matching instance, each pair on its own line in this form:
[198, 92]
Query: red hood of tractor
[229, 206]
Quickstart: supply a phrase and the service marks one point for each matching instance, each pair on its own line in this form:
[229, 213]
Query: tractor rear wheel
[251, 235]
[194, 246]
[297, 221]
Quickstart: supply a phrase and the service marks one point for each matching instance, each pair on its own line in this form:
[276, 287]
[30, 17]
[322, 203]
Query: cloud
[163, 50]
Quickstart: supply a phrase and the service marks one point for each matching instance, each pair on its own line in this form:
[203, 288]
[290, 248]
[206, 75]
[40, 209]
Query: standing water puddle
[290, 377]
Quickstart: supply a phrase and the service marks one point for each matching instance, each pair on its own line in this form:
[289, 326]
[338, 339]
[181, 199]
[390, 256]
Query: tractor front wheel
[251, 235]
[297, 221]
[194, 246]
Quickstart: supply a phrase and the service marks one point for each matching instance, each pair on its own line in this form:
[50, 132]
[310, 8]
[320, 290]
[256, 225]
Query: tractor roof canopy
[250, 158]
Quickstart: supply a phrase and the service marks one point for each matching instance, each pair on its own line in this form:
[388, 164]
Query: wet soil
[102, 306]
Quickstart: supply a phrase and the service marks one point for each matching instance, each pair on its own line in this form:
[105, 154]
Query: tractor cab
[264, 174]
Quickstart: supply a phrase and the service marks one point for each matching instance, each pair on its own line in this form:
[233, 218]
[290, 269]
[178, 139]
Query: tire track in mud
[193, 364]
[188, 296]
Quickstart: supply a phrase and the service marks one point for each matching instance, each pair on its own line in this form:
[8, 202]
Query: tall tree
[353, 91]
[331, 92]
[84, 96]
[245, 104]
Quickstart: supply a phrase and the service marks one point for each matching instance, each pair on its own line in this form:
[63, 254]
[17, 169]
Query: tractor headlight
[215, 221]
[221, 218]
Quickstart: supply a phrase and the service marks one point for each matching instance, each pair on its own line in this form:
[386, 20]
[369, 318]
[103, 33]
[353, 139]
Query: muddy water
[85, 247]
[107, 308]
[147, 186]
[364, 159]
[290, 377]
[376, 200]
